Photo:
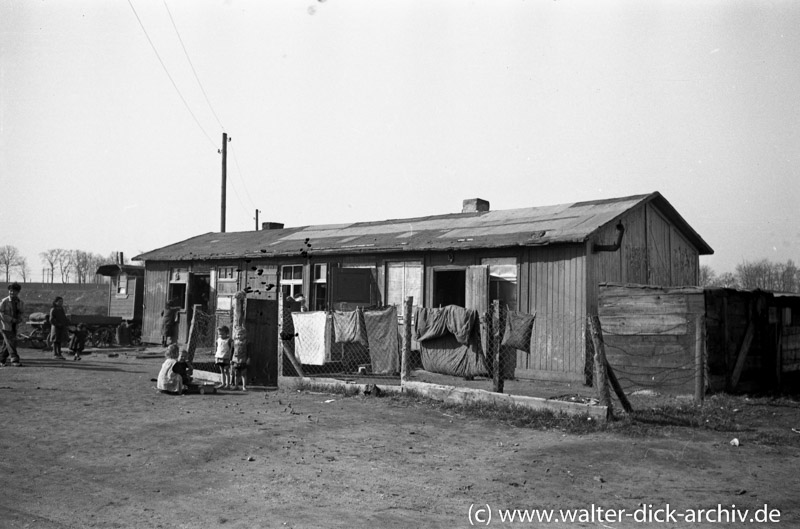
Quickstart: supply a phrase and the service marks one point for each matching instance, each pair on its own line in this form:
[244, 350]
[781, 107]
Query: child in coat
[78, 341]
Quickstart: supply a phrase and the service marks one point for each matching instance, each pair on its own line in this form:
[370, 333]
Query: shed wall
[156, 280]
[650, 335]
[553, 285]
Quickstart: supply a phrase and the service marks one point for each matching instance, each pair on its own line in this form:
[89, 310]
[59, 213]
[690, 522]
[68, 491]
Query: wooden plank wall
[649, 334]
[790, 345]
[156, 280]
[553, 285]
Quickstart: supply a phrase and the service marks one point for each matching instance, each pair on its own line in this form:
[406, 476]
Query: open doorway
[199, 291]
[449, 287]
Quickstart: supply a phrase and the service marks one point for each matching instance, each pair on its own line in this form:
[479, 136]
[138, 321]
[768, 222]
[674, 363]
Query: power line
[241, 177]
[168, 74]
[197, 78]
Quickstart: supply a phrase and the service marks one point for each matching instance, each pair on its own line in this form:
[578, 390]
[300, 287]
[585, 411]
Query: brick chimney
[474, 205]
[272, 225]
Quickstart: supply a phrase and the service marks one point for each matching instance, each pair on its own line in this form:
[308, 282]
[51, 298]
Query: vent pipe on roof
[611, 247]
[271, 225]
[474, 205]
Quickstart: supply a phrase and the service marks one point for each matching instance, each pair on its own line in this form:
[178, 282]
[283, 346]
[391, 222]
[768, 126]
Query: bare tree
[9, 257]
[707, 276]
[726, 280]
[766, 275]
[51, 259]
[24, 269]
[65, 264]
[81, 263]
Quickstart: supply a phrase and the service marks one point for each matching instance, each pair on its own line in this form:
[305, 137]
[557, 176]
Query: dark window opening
[200, 291]
[177, 295]
[449, 288]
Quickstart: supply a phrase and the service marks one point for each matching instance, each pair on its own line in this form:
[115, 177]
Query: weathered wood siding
[650, 334]
[553, 285]
[156, 281]
[790, 349]
[128, 306]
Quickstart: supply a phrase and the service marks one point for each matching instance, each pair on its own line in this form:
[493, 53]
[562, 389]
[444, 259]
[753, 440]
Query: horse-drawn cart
[101, 331]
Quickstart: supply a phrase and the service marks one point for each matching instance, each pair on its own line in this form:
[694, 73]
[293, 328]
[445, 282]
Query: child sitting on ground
[168, 380]
[78, 341]
[184, 369]
[223, 355]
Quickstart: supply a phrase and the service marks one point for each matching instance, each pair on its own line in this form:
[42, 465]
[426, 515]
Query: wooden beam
[742, 354]
[600, 363]
[623, 399]
[699, 359]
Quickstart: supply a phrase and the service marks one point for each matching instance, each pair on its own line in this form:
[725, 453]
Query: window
[319, 292]
[403, 280]
[291, 280]
[503, 280]
[227, 284]
[122, 285]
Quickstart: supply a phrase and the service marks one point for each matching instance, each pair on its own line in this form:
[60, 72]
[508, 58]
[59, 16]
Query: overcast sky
[112, 114]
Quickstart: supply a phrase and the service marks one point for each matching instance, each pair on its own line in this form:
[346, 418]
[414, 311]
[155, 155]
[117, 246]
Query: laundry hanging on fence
[349, 327]
[384, 352]
[519, 327]
[447, 356]
[435, 323]
[309, 344]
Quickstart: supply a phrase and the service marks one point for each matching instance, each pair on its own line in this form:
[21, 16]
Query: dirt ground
[92, 444]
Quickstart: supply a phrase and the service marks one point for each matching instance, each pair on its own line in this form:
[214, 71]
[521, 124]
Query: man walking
[11, 309]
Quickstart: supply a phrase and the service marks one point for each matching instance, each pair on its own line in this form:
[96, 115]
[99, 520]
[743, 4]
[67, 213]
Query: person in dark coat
[59, 326]
[169, 317]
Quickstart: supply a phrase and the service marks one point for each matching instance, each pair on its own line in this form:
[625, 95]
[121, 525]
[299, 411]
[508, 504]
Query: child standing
[58, 326]
[78, 341]
[239, 367]
[223, 355]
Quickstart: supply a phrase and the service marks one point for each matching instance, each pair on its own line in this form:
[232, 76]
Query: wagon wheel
[101, 337]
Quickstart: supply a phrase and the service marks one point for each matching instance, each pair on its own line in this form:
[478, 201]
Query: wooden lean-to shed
[546, 260]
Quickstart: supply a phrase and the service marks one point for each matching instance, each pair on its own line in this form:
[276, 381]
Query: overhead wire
[239, 170]
[202, 89]
[191, 65]
[174, 85]
[210, 106]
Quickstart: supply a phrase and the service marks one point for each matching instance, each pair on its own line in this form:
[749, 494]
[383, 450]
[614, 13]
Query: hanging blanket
[449, 341]
[310, 340]
[348, 327]
[435, 323]
[519, 327]
[384, 352]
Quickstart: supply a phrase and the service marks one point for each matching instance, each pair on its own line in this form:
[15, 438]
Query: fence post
[404, 367]
[600, 372]
[496, 340]
[191, 346]
[699, 359]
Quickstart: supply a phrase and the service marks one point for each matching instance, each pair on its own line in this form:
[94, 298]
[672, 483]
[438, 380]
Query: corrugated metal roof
[565, 223]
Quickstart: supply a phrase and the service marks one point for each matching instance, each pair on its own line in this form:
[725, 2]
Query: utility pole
[257, 211]
[224, 152]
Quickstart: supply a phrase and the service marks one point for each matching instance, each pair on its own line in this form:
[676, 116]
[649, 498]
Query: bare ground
[92, 444]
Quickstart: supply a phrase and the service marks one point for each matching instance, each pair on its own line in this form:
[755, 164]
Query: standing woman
[59, 324]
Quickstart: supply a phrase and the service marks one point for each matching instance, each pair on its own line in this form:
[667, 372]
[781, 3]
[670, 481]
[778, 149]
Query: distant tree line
[751, 275]
[69, 266]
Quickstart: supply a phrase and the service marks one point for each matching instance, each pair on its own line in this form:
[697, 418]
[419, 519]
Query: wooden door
[261, 322]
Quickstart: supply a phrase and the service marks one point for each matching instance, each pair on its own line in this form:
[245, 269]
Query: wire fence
[451, 346]
[342, 344]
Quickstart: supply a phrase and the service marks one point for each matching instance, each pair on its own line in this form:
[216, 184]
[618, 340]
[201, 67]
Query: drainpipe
[611, 247]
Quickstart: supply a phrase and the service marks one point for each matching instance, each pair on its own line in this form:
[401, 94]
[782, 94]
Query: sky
[112, 114]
